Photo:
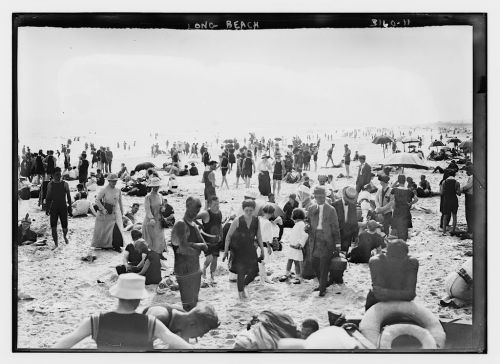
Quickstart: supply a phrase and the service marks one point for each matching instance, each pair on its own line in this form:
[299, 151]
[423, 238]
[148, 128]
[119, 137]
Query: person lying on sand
[82, 207]
[26, 236]
[123, 329]
[187, 325]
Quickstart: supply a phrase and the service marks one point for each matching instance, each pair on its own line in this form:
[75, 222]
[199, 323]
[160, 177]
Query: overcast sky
[99, 79]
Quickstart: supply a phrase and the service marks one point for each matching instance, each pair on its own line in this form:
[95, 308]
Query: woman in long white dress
[108, 231]
[152, 230]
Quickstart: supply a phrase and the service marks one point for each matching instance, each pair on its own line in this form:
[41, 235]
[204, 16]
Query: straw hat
[112, 177]
[154, 182]
[130, 286]
[349, 194]
[251, 194]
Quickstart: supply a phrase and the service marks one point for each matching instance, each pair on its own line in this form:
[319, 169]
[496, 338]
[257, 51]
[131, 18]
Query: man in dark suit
[324, 237]
[364, 173]
[347, 217]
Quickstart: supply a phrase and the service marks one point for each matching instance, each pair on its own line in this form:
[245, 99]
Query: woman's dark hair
[83, 195]
[298, 214]
[310, 323]
[248, 203]
[136, 234]
[402, 178]
[268, 209]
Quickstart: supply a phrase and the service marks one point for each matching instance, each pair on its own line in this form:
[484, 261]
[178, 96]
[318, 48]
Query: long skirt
[154, 236]
[264, 183]
[108, 231]
[307, 268]
[189, 288]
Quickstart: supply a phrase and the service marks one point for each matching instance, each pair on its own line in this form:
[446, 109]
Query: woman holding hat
[123, 329]
[109, 220]
[152, 229]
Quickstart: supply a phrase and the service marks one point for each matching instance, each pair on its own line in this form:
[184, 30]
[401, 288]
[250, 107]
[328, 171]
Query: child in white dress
[268, 230]
[295, 241]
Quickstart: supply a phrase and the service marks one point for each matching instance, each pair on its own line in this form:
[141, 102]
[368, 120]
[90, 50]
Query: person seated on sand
[123, 171]
[167, 212]
[193, 324]
[308, 327]
[138, 189]
[150, 173]
[73, 174]
[394, 274]
[82, 206]
[99, 177]
[129, 219]
[424, 188]
[184, 172]
[26, 236]
[356, 156]
[306, 182]
[411, 184]
[459, 287]
[134, 255]
[368, 241]
[123, 329]
[193, 171]
[79, 190]
[91, 183]
[172, 184]
[367, 204]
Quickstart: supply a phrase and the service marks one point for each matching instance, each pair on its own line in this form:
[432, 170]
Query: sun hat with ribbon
[154, 182]
[251, 194]
[112, 177]
[130, 286]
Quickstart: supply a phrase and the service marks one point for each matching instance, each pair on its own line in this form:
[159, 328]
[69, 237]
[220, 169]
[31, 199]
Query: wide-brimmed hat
[112, 177]
[349, 194]
[154, 182]
[319, 190]
[130, 286]
[251, 194]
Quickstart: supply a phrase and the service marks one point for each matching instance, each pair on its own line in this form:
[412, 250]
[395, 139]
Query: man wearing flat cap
[324, 237]
[364, 174]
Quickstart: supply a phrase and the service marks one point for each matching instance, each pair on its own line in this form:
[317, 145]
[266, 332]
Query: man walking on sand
[329, 156]
[57, 194]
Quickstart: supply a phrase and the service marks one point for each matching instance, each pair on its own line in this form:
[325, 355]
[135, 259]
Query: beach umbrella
[454, 140]
[145, 165]
[228, 140]
[410, 140]
[405, 160]
[382, 140]
[466, 144]
[278, 139]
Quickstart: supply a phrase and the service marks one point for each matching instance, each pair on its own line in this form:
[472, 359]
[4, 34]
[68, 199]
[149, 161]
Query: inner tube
[391, 332]
[384, 313]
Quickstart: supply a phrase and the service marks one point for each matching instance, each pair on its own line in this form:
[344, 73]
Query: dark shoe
[316, 289]
[322, 293]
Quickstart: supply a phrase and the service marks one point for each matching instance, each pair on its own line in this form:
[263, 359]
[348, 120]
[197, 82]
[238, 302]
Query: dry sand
[65, 289]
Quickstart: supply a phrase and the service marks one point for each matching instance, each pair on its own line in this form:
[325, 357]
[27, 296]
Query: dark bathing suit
[213, 227]
[58, 208]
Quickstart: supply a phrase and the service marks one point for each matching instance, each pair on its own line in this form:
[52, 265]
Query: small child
[308, 327]
[367, 241]
[99, 177]
[167, 211]
[267, 231]
[296, 241]
[79, 190]
[134, 255]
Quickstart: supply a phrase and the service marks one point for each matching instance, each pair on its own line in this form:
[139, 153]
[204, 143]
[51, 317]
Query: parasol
[145, 165]
[405, 160]
[436, 144]
[466, 144]
[278, 139]
[454, 140]
[382, 140]
[228, 140]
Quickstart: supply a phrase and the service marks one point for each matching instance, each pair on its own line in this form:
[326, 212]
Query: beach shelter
[405, 160]
[382, 140]
[436, 144]
[409, 140]
[454, 140]
[466, 146]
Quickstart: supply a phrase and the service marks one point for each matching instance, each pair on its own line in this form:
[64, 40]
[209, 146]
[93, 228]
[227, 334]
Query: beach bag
[109, 207]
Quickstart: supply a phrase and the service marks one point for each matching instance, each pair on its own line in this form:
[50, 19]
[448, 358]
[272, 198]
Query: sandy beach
[65, 289]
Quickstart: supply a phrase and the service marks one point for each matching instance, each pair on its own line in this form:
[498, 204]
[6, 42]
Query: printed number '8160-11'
[384, 23]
